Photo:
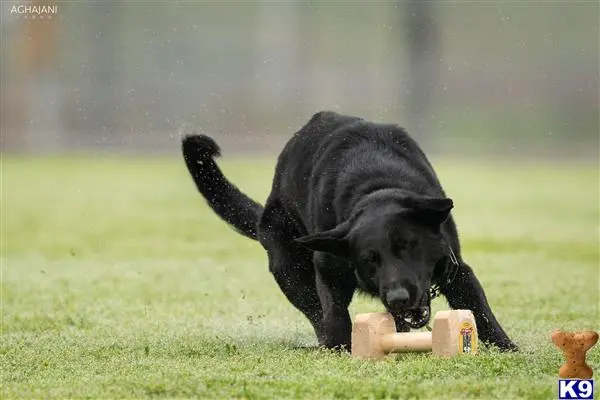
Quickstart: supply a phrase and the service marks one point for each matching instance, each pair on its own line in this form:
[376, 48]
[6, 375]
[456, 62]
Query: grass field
[118, 282]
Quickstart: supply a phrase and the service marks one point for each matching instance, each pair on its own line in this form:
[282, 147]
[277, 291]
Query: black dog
[354, 205]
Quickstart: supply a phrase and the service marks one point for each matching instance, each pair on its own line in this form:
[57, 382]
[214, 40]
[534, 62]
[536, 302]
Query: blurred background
[501, 78]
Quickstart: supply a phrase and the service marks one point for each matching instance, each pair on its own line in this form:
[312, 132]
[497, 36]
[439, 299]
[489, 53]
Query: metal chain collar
[450, 275]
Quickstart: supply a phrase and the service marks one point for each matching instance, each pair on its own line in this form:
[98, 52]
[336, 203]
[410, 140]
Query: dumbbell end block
[454, 333]
[367, 332]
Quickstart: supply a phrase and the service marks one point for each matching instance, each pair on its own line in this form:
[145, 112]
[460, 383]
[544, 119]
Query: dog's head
[395, 245]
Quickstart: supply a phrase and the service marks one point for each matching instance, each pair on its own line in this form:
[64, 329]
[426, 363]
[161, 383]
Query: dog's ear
[432, 211]
[333, 241]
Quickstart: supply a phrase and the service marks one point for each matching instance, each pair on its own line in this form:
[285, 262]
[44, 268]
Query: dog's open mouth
[418, 317]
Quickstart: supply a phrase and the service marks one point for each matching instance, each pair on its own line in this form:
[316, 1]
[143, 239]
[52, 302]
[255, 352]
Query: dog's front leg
[466, 292]
[335, 285]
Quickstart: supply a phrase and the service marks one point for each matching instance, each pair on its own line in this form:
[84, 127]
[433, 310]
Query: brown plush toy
[574, 345]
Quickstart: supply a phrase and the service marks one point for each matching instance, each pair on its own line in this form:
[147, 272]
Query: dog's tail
[226, 200]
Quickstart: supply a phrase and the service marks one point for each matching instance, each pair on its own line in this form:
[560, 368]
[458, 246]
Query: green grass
[118, 282]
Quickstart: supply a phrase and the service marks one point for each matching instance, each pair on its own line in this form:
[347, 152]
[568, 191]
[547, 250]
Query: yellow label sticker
[467, 339]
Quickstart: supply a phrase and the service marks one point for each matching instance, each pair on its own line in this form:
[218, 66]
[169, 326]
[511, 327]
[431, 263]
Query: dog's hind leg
[296, 280]
[466, 292]
[290, 264]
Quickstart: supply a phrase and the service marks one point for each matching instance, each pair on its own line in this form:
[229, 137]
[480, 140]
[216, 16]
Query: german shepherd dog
[354, 205]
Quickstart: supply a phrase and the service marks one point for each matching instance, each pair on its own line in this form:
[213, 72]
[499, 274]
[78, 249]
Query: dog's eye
[404, 245]
[372, 257]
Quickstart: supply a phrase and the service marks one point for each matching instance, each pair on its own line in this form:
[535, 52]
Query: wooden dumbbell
[374, 335]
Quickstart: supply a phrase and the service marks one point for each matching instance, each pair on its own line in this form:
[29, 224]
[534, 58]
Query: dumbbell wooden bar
[374, 335]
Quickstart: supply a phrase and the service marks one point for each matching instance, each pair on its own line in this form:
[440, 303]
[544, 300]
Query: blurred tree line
[500, 77]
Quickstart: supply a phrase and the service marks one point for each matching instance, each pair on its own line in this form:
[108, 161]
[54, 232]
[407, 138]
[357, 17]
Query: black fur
[226, 200]
[354, 205]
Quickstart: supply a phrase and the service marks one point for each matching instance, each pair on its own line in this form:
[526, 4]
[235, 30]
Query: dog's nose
[397, 298]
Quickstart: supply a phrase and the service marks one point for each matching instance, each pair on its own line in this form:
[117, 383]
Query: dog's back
[332, 150]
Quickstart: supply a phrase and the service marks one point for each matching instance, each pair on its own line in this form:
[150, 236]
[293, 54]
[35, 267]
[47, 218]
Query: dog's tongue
[417, 318]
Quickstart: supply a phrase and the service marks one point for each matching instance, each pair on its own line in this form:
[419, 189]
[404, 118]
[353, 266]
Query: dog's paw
[505, 346]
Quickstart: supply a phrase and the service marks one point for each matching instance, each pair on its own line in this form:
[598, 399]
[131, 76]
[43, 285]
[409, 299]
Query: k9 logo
[575, 389]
